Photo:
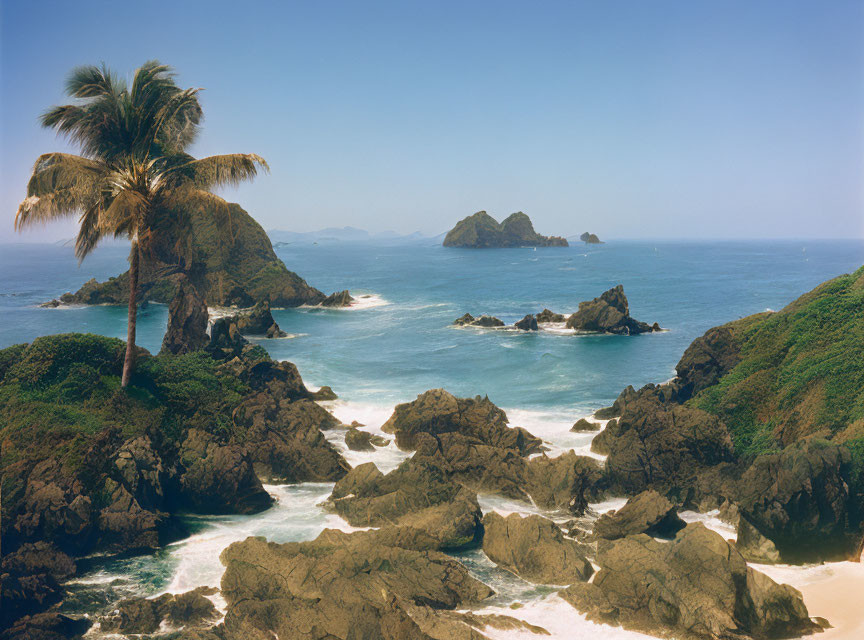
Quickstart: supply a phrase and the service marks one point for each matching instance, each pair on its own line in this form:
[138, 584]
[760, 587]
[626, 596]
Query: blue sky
[715, 119]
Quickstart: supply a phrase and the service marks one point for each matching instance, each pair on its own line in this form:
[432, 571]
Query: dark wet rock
[437, 412]
[528, 323]
[801, 495]
[590, 238]
[187, 320]
[481, 231]
[339, 299]
[706, 360]
[533, 548]
[259, 321]
[237, 270]
[697, 584]
[226, 341]
[146, 615]
[37, 558]
[29, 580]
[218, 478]
[753, 545]
[665, 447]
[46, 626]
[609, 313]
[648, 513]
[546, 316]
[339, 586]
[484, 321]
[323, 394]
[464, 320]
[357, 440]
[583, 426]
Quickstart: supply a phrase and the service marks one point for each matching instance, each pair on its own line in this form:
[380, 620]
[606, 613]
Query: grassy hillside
[801, 372]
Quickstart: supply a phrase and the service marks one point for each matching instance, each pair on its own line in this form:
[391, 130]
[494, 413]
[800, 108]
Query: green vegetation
[60, 391]
[801, 373]
[133, 178]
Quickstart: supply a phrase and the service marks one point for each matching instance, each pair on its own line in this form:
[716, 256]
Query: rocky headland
[482, 231]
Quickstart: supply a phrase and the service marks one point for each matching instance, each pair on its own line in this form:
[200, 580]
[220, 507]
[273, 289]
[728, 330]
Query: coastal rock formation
[648, 513]
[482, 231]
[528, 323]
[590, 238]
[145, 616]
[607, 314]
[583, 426]
[534, 549]
[437, 412]
[358, 440]
[29, 580]
[339, 299]
[187, 320]
[259, 321]
[468, 320]
[237, 270]
[697, 585]
[340, 585]
[753, 546]
[45, 626]
[546, 317]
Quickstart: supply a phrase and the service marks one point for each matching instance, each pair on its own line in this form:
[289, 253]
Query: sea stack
[482, 231]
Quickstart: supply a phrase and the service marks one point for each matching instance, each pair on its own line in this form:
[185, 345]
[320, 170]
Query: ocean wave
[361, 302]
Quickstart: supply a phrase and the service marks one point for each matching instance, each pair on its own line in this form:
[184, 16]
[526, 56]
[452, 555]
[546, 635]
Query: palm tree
[133, 178]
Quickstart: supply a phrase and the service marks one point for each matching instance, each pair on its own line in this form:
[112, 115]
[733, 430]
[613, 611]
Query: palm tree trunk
[129, 361]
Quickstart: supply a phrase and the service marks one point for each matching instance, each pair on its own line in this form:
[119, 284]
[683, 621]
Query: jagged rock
[283, 437]
[259, 321]
[662, 446]
[487, 322]
[37, 558]
[340, 299]
[566, 482]
[339, 585]
[437, 412]
[546, 316]
[218, 478]
[753, 545]
[416, 494]
[29, 580]
[648, 513]
[187, 320]
[357, 440]
[226, 341]
[46, 626]
[582, 426]
[590, 238]
[800, 496]
[238, 269]
[323, 394]
[607, 314]
[464, 320]
[533, 548]
[528, 323]
[481, 231]
[706, 360]
[144, 616]
[696, 584]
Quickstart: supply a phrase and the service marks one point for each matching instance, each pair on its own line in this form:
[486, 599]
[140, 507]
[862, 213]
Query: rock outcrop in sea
[487, 322]
[482, 231]
[590, 238]
[609, 313]
[237, 269]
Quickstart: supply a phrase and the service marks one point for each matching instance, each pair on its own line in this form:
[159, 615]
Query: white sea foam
[711, 520]
[361, 301]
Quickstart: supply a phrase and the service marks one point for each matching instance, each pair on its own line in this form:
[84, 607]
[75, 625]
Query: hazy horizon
[669, 120]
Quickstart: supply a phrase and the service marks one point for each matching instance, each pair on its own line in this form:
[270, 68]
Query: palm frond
[175, 126]
[89, 231]
[216, 171]
[57, 205]
[53, 171]
[91, 82]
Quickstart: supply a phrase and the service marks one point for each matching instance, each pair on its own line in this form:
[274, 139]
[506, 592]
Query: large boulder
[528, 323]
[547, 317]
[706, 360]
[259, 321]
[482, 231]
[339, 585]
[238, 268]
[437, 412]
[534, 549]
[187, 320]
[484, 321]
[609, 313]
[564, 483]
[218, 478]
[648, 513]
[800, 499]
[696, 585]
[147, 615]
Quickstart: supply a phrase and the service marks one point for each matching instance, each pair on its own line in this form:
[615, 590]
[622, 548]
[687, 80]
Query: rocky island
[482, 231]
[590, 238]
[238, 271]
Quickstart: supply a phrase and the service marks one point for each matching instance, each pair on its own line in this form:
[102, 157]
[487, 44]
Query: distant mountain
[341, 235]
[482, 231]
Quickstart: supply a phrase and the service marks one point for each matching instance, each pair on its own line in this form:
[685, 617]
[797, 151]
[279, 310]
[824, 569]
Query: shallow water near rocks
[399, 343]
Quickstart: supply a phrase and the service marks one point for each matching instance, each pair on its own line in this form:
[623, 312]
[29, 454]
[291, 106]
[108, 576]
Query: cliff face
[482, 231]
[240, 269]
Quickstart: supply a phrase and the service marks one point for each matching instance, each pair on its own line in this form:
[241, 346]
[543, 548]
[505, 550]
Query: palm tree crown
[133, 178]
